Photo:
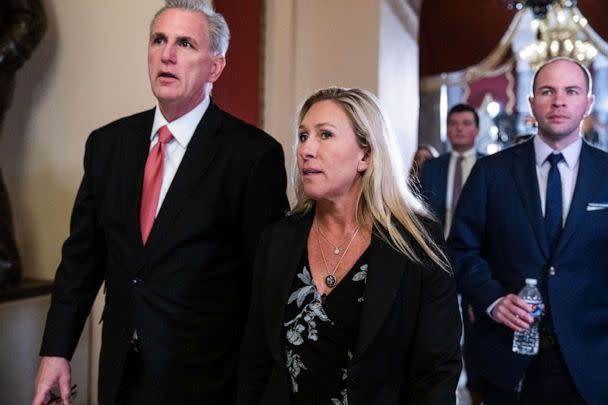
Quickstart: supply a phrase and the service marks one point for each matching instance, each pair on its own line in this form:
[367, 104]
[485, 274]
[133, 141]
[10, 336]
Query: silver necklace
[336, 247]
[330, 279]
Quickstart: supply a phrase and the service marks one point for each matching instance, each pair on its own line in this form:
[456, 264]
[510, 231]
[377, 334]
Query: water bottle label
[536, 310]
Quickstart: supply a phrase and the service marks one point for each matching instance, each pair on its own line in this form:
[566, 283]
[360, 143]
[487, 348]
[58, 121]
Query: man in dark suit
[442, 178]
[539, 210]
[168, 214]
[441, 182]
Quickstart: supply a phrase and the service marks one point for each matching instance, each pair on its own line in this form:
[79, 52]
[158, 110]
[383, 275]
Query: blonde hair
[385, 195]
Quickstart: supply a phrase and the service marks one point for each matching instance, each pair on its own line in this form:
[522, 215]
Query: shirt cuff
[491, 307]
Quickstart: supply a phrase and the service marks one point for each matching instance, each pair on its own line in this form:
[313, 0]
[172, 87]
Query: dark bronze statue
[22, 25]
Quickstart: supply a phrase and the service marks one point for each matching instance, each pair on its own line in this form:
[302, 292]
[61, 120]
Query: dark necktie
[553, 202]
[457, 184]
[153, 177]
[553, 228]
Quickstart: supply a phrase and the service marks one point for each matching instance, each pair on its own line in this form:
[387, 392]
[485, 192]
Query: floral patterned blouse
[320, 335]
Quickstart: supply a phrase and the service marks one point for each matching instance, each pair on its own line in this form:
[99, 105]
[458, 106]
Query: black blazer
[186, 291]
[407, 350]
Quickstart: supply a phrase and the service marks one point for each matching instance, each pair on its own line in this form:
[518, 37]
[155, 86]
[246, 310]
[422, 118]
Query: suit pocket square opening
[597, 206]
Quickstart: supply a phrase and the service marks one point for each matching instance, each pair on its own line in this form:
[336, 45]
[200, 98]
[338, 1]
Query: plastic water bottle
[526, 341]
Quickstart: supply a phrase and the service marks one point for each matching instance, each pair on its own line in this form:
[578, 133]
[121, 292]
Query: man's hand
[53, 372]
[513, 312]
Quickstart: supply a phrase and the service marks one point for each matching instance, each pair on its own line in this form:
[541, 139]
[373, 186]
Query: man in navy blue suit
[441, 179]
[441, 183]
[540, 210]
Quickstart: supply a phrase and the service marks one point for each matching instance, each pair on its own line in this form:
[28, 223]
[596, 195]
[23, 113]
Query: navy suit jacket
[434, 183]
[498, 239]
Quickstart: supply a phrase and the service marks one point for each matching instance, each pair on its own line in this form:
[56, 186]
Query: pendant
[337, 251]
[330, 281]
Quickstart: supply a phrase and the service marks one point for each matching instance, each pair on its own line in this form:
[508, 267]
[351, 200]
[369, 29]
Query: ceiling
[456, 34]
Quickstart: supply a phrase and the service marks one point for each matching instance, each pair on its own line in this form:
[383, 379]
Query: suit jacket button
[551, 271]
[136, 281]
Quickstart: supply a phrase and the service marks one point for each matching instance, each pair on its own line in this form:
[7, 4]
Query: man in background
[441, 183]
[442, 178]
[540, 210]
[168, 214]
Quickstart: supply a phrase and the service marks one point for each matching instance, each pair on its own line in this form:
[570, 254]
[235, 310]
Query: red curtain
[239, 89]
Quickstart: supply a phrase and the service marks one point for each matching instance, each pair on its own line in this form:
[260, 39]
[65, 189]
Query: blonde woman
[353, 299]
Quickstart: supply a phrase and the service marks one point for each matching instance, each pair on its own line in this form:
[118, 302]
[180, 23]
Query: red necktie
[153, 177]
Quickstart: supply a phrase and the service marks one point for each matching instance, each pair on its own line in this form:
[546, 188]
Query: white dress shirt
[568, 171]
[468, 161]
[182, 130]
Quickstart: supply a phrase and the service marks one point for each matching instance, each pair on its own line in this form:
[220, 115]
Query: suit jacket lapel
[291, 247]
[524, 172]
[442, 186]
[136, 148]
[196, 160]
[583, 193]
[386, 268]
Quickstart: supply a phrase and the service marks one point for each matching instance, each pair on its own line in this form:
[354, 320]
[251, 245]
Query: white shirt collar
[571, 152]
[182, 128]
[467, 154]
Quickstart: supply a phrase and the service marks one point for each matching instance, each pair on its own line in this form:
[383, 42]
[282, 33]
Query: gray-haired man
[168, 214]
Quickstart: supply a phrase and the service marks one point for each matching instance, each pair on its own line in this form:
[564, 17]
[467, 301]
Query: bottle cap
[531, 281]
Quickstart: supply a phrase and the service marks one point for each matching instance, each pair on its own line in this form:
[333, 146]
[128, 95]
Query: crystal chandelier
[538, 7]
[560, 29]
